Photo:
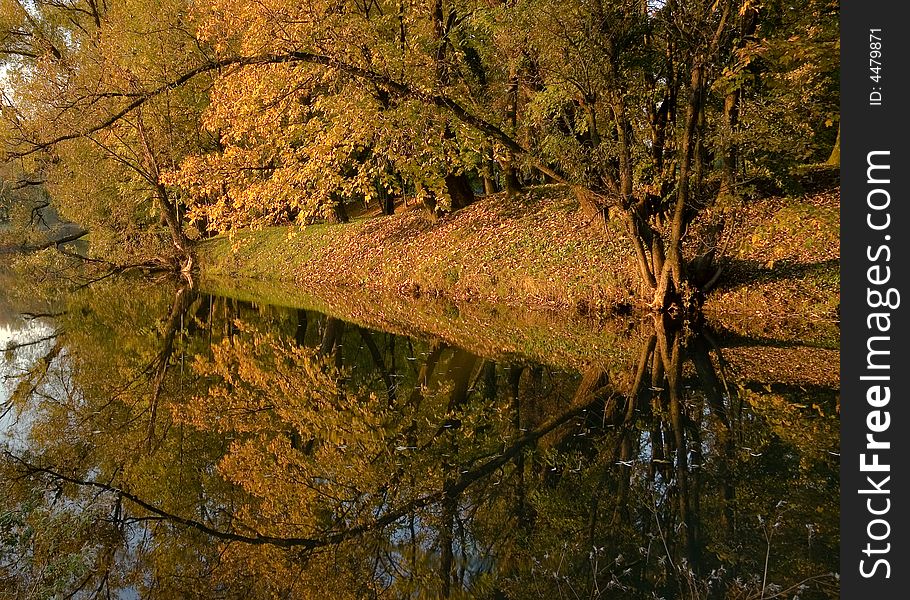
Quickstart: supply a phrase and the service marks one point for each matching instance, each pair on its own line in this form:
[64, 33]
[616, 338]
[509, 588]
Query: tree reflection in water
[206, 447]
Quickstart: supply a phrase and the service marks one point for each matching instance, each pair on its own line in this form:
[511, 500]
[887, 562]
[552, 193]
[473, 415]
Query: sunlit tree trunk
[834, 158]
[669, 283]
[510, 177]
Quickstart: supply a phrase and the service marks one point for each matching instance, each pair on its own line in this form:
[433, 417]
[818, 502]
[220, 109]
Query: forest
[154, 125]
[493, 299]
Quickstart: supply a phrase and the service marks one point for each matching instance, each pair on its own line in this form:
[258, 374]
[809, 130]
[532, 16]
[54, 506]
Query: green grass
[534, 253]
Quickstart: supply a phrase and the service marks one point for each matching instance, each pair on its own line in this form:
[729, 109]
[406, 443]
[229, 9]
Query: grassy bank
[538, 251]
[782, 270]
[534, 251]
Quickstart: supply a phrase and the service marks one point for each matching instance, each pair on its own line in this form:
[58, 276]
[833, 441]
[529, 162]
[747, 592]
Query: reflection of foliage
[194, 444]
[63, 546]
[298, 440]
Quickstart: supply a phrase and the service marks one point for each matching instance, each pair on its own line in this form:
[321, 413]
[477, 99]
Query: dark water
[160, 442]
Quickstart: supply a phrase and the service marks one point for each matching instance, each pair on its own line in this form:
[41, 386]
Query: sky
[14, 426]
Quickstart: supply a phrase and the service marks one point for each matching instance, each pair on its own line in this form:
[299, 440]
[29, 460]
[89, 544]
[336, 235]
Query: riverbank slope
[780, 257]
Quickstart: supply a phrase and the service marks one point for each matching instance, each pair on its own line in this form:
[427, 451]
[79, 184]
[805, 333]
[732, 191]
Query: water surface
[165, 442]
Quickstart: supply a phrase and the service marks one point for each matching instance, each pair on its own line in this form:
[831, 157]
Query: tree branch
[36, 247]
[395, 87]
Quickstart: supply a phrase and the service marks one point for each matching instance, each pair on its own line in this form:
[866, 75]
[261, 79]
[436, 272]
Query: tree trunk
[379, 363]
[834, 159]
[182, 300]
[669, 284]
[489, 169]
[182, 244]
[731, 116]
[331, 335]
[669, 347]
[510, 177]
[428, 199]
[168, 208]
[302, 326]
[338, 212]
[459, 190]
[729, 153]
[447, 541]
[386, 200]
[511, 182]
[489, 186]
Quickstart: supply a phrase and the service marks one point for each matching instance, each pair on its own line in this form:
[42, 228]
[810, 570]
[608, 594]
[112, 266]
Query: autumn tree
[792, 84]
[636, 106]
[73, 66]
[338, 110]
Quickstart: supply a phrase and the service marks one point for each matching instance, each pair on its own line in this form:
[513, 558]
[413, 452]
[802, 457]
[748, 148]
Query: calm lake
[163, 441]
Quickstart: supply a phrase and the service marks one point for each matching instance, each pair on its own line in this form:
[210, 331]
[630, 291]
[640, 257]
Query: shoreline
[537, 252]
